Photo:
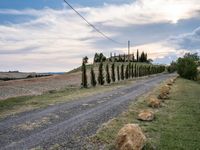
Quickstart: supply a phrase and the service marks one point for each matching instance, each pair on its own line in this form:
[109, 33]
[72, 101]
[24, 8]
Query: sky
[47, 36]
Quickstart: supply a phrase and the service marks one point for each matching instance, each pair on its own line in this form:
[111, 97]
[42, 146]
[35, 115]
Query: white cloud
[55, 40]
[187, 41]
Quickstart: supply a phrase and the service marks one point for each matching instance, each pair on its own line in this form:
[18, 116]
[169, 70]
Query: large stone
[163, 96]
[165, 89]
[146, 115]
[154, 103]
[130, 137]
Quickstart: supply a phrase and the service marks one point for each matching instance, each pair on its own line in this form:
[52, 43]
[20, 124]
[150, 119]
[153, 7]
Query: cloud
[144, 12]
[57, 39]
[187, 41]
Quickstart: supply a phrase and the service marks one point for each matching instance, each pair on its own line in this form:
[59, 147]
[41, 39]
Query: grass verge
[176, 125]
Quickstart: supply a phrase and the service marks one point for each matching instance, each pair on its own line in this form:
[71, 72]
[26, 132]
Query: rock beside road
[130, 137]
[146, 115]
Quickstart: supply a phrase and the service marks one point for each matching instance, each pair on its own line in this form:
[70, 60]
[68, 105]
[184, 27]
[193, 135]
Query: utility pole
[128, 51]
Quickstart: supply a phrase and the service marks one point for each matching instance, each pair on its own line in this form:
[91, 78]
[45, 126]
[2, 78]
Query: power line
[104, 35]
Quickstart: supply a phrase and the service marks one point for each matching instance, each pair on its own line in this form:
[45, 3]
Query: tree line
[99, 57]
[114, 72]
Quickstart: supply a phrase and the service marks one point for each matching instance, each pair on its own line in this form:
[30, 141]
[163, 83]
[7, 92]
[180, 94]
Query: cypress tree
[137, 56]
[126, 72]
[113, 72]
[132, 70]
[108, 80]
[118, 74]
[129, 70]
[100, 76]
[93, 79]
[122, 71]
[135, 70]
[84, 76]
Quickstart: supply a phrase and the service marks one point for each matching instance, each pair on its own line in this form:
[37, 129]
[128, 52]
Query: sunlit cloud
[57, 39]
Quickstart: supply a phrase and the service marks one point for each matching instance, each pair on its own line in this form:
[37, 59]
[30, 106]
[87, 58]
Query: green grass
[176, 126]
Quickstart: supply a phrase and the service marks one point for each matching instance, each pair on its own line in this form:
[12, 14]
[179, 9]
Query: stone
[130, 137]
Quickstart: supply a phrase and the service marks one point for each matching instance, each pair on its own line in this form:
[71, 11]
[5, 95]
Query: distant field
[5, 76]
[37, 86]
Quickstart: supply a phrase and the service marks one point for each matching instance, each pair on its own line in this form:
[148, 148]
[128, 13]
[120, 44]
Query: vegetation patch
[176, 125]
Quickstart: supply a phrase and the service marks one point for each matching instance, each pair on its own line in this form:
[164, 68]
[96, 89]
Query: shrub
[93, 79]
[108, 80]
[187, 68]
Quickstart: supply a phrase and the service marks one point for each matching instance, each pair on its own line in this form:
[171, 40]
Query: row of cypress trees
[124, 71]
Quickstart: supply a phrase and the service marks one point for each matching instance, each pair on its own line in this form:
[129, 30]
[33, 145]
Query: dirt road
[69, 124]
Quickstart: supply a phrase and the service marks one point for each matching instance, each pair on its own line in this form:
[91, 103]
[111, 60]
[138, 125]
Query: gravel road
[70, 123]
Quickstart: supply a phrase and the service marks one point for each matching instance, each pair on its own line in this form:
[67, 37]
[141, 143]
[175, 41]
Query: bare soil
[37, 86]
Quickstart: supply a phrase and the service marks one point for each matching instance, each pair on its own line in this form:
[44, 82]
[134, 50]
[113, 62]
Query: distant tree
[133, 58]
[118, 73]
[124, 58]
[113, 72]
[122, 71]
[96, 58]
[172, 67]
[108, 80]
[84, 75]
[137, 56]
[149, 61]
[101, 76]
[193, 56]
[85, 59]
[99, 58]
[93, 78]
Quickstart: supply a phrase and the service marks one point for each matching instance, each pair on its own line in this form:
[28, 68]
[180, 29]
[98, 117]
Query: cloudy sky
[46, 35]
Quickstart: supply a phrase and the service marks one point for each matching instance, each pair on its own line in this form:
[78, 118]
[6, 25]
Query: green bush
[187, 68]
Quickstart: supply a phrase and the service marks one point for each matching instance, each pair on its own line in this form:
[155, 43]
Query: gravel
[71, 123]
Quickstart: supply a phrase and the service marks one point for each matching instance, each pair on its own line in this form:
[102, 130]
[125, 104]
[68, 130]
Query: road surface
[70, 123]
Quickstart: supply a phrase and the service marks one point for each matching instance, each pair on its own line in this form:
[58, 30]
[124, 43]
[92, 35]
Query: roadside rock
[130, 137]
[163, 96]
[146, 115]
[165, 89]
[154, 103]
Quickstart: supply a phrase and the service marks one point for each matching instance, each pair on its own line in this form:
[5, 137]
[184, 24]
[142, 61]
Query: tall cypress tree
[137, 56]
[108, 80]
[132, 70]
[126, 72]
[118, 74]
[84, 75]
[122, 71]
[135, 70]
[129, 70]
[113, 72]
[100, 76]
[93, 79]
